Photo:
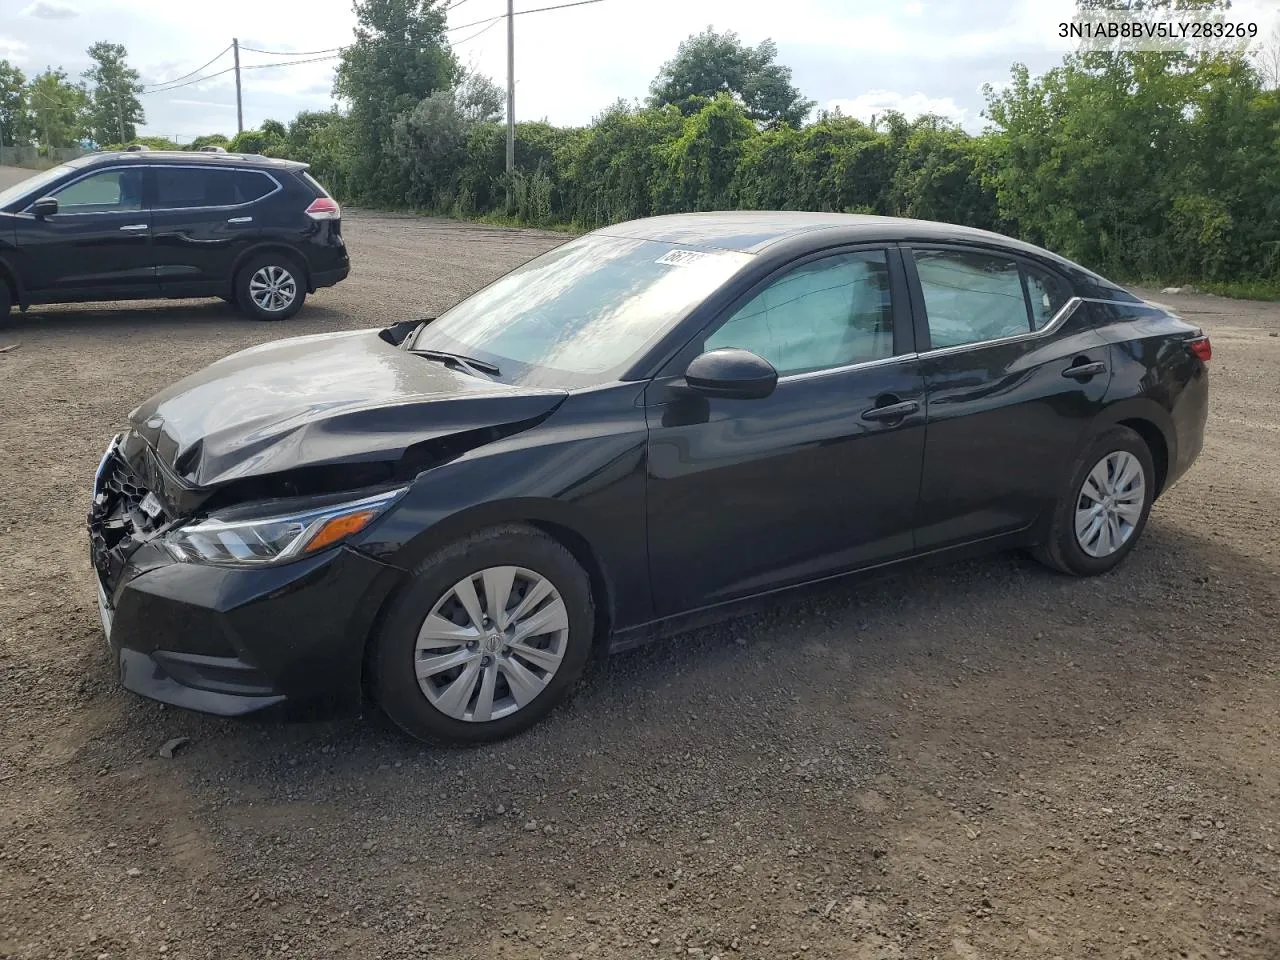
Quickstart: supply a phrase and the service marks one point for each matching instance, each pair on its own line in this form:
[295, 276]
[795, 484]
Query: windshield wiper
[470, 364]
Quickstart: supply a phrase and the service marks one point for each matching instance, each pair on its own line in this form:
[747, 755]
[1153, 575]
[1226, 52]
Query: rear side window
[1046, 295]
[253, 186]
[973, 297]
[180, 188]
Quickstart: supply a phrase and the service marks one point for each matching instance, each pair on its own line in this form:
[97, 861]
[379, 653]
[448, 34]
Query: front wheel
[271, 287]
[489, 634]
[1104, 508]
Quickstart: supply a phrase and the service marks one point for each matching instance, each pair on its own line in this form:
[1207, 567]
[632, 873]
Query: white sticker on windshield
[682, 258]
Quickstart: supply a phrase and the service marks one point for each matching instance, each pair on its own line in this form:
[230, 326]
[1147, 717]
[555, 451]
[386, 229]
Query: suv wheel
[489, 634]
[271, 287]
[6, 301]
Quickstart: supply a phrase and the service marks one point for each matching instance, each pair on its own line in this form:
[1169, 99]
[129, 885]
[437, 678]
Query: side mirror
[731, 373]
[45, 207]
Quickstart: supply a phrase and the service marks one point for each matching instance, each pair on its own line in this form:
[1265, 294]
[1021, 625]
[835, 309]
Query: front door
[822, 476]
[98, 244]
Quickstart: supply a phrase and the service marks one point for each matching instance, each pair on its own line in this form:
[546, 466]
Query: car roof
[188, 157]
[751, 231]
[755, 231]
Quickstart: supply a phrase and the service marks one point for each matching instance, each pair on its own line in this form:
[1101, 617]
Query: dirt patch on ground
[976, 761]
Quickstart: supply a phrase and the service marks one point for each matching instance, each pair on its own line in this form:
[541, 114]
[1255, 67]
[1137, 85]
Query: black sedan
[645, 427]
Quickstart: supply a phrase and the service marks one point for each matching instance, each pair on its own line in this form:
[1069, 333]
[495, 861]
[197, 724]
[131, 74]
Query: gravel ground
[983, 760]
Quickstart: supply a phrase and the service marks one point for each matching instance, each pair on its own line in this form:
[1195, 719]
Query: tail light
[1201, 348]
[324, 208]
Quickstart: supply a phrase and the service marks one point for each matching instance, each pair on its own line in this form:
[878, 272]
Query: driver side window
[106, 192]
[823, 314]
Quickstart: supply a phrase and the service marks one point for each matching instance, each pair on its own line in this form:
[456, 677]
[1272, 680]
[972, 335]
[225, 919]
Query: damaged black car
[641, 430]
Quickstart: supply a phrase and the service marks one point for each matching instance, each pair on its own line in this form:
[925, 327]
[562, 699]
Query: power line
[458, 43]
[165, 83]
[189, 83]
[287, 63]
[503, 16]
[290, 53]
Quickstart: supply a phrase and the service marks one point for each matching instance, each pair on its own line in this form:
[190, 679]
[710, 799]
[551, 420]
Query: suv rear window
[314, 184]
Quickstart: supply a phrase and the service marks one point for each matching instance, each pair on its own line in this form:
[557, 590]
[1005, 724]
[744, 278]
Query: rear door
[820, 477]
[203, 219]
[98, 244]
[1014, 374]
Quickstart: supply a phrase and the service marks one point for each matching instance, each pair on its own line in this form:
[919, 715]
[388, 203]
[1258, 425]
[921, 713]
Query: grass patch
[501, 220]
[1234, 289]
[1243, 289]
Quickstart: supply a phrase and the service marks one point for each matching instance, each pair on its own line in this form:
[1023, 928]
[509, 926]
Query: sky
[865, 56]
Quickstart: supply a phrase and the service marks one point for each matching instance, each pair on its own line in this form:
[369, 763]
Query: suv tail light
[1200, 348]
[324, 208]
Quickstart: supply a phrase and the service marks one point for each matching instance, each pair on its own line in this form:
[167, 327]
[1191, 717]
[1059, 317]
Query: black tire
[270, 263]
[394, 677]
[6, 299]
[1061, 549]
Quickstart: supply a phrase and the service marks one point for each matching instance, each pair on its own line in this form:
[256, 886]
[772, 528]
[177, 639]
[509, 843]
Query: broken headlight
[274, 539]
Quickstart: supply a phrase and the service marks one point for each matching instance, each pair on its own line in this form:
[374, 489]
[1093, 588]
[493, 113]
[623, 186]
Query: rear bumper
[327, 278]
[1189, 414]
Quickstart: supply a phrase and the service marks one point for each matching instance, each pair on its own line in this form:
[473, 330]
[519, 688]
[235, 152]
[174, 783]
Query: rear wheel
[1104, 508]
[6, 299]
[271, 287]
[490, 634]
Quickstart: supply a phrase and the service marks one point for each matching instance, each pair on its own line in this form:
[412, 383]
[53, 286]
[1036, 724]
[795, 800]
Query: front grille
[117, 523]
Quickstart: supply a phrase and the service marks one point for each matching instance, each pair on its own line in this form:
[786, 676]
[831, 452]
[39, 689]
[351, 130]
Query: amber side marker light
[339, 528]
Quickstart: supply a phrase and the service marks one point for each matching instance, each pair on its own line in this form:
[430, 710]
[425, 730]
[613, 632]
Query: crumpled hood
[320, 400]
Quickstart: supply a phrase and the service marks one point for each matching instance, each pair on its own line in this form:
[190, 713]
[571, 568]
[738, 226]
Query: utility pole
[511, 86]
[235, 46]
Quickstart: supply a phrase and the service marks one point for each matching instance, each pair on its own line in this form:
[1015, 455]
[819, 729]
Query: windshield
[581, 313]
[33, 183]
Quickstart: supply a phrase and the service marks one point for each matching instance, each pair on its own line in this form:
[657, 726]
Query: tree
[480, 99]
[428, 144]
[1267, 57]
[1142, 163]
[268, 140]
[701, 162]
[59, 108]
[398, 59]
[114, 111]
[15, 117]
[709, 63]
[208, 140]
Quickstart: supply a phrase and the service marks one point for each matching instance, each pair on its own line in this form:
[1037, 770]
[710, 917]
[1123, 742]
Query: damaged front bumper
[221, 639]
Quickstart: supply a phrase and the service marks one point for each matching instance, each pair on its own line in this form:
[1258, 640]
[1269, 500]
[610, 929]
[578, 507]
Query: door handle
[134, 226]
[241, 220]
[894, 411]
[1084, 371]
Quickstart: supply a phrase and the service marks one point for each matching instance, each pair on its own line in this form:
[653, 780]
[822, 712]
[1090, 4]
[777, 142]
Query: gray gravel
[975, 761]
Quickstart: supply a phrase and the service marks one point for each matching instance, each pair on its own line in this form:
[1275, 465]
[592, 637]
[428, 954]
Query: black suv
[258, 232]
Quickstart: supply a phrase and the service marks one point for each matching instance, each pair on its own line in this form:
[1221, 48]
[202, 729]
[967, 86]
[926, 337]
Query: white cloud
[913, 9]
[14, 51]
[878, 102]
[51, 10]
